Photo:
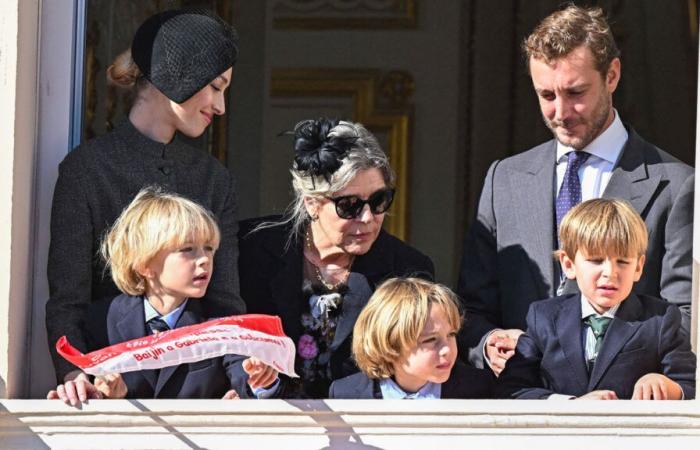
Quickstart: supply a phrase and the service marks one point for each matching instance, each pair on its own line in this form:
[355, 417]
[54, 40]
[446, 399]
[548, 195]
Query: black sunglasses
[351, 206]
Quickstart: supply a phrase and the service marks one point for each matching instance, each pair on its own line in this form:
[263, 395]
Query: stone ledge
[347, 424]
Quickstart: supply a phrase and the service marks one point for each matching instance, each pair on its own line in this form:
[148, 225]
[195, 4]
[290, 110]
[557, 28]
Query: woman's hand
[260, 375]
[111, 385]
[76, 390]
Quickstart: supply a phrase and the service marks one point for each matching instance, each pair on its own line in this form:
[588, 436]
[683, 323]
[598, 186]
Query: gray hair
[365, 153]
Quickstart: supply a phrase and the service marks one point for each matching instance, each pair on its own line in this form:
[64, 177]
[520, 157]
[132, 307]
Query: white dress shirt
[587, 310]
[391, 390]
[171, 318]
[595, 173]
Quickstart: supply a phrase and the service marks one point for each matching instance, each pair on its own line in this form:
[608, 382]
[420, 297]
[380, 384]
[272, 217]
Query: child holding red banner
[161, 255]
[405, 344]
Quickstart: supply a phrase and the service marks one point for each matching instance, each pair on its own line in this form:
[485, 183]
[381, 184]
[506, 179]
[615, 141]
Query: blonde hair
[393, 320]
[563, 31]
[123, 71]
[603, 227]
[154, 221]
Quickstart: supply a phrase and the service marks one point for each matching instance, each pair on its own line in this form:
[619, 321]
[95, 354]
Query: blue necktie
[157, 324]
[570, 191]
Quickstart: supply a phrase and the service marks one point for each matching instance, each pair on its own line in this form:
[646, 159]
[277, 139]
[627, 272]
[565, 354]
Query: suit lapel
[367, 271]
[630, 179]
[536, 181]
[354, 300]
[285, 286]
[190, 316]
[623, 326]
[132, 325]
[568, 329]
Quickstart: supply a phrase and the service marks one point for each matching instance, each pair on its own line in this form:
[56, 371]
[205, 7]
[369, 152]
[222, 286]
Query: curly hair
[563, 31]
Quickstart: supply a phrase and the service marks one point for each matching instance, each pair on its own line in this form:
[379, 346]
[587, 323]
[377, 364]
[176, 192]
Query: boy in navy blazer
[606, 342]
[405, 344]
[161, 254]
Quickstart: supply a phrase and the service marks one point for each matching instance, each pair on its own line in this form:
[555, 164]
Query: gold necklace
[319, 274]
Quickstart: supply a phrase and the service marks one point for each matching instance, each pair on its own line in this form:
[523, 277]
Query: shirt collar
[391, 390]
[607, 146]
[171, 318]
[587, 309]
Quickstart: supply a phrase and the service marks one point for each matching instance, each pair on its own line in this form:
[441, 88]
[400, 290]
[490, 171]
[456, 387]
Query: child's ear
[567, 265]
[640, 268]
[144, 271]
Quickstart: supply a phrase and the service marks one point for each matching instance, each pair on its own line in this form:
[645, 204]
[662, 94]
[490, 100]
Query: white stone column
[19, 22]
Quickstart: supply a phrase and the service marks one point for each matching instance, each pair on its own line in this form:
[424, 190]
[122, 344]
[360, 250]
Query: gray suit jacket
[508, 255]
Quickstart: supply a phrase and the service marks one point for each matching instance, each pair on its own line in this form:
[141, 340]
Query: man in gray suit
[508, 255]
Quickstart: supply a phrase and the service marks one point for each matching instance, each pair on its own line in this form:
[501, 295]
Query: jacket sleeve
[478, 278]
[238, 378]
[521, 378]
[677, 359]
[70, 265]
[223, 295]
[676, 266]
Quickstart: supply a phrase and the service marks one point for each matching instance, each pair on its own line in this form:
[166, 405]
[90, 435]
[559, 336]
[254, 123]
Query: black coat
[465, 382]
[272, 276]
[96, 181]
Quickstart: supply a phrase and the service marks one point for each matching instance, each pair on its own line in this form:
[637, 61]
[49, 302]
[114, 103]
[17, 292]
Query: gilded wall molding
[380, 101]
[344, 14]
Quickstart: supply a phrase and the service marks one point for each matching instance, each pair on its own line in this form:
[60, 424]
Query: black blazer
[271, 277]
[204, 379]
[644, 337]
[464, 382]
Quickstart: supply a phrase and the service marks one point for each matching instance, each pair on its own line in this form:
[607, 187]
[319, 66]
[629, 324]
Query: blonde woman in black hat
[180, 64]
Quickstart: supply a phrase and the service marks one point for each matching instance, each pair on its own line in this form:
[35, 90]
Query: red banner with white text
[255, 335]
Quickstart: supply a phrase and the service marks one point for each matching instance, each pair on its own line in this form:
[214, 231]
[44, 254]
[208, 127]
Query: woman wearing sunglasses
[317, 266]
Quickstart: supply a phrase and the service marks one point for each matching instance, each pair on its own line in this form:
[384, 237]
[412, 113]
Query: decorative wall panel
[379, 100]
[348, 14]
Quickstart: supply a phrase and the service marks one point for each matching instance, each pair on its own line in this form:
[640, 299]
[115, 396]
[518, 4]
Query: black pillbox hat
[181, 51]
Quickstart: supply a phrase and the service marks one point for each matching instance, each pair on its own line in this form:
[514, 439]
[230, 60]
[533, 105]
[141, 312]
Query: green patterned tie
[598, 325]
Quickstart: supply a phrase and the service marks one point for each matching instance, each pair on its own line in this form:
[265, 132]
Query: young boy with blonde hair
[404, 343]
[161, 254]
[605, 342]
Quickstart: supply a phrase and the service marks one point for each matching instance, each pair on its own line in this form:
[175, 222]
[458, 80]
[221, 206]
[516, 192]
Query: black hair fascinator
[315, 152]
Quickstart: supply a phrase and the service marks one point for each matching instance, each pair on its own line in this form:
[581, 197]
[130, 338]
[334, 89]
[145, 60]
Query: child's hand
[111, 385]
[654, 386]
[500, 346]
[231, 395]
[260, 375]
[74, 391]
[599, 395]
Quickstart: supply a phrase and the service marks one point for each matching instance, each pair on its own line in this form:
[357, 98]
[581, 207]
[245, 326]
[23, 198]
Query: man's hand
[500, 346]
[75, 390]
[260, 375]
[599, 395]
[654, 386]
[111, 385]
